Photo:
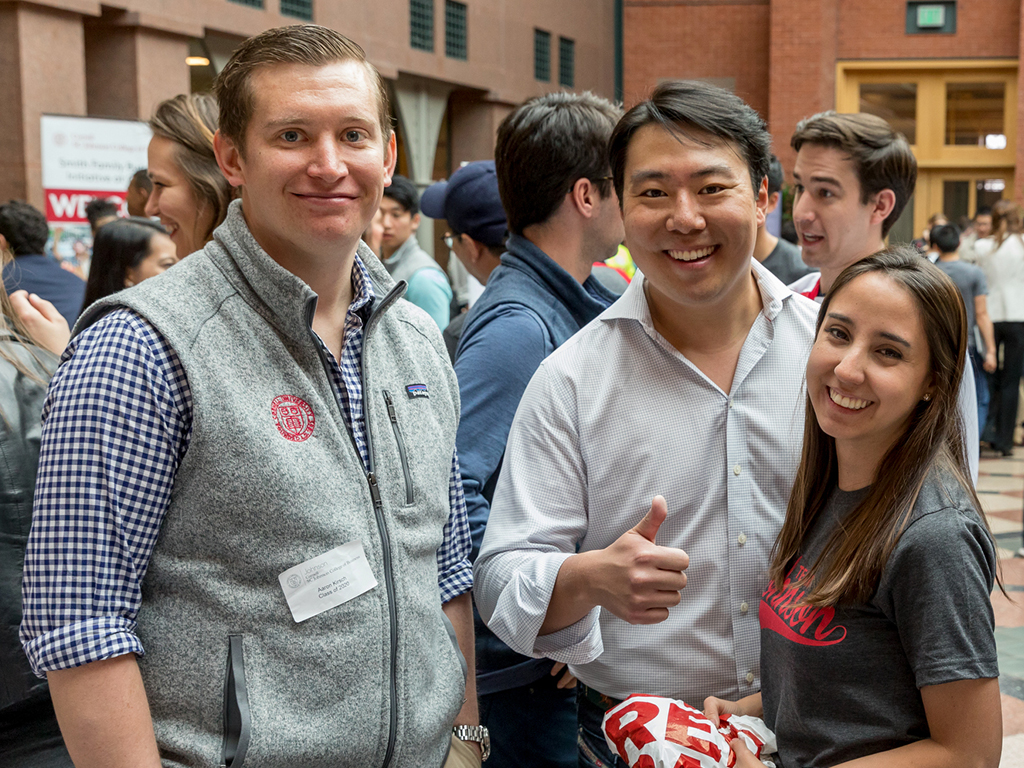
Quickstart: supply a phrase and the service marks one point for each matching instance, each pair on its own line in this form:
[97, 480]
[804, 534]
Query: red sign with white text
[67, 206]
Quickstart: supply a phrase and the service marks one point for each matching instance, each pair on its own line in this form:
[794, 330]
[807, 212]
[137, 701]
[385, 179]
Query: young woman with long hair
[877, 631]
[126, 252]
[190, 195]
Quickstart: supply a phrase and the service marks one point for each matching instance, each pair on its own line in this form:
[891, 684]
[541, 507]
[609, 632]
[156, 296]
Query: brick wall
[802, 66]
[713, 39]
[876, 29]
[782, 54]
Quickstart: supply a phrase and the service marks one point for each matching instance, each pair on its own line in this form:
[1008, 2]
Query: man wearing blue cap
[470, 203]
[563, 215]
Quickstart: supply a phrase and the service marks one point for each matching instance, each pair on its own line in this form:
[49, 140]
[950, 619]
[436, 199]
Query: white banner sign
[87, 157]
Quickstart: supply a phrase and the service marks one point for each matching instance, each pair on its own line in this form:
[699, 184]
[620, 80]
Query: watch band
[477, 733]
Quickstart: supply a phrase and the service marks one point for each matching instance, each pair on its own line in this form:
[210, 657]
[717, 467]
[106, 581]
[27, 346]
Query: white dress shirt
[611, 419]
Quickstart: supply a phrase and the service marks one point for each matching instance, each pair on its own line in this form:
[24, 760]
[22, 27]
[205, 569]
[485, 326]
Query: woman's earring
[927, 397]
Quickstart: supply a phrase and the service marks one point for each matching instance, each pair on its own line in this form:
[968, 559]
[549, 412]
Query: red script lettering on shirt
[781, 612]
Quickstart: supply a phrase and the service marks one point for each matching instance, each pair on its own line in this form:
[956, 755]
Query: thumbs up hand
[636, 579]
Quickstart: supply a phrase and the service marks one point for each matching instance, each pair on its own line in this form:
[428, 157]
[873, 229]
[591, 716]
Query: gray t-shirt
[841, 683]
[971, 282]
[785, 263]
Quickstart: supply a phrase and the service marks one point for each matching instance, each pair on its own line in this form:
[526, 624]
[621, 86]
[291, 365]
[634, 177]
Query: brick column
[42, 69]
[130, 69]
[802, 67]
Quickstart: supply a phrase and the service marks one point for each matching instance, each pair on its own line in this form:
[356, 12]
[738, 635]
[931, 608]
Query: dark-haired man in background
[778, 256]
[677, 414]
[23, 231]
[980, 229]
[563, 215]
[405, 260]
[854, 175]
[138, 192]
[100, 211]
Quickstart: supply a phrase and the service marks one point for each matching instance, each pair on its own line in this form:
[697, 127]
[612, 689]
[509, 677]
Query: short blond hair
[296, 44]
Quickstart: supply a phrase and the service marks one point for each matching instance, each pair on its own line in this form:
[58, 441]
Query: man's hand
[749, 705]
[636, 579]
[989, 363]
[568, 680]
[45, 325]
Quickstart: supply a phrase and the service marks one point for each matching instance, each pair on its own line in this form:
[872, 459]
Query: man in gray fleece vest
[262, 558]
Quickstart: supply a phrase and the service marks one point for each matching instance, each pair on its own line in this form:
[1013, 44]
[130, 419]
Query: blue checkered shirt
[117, 423]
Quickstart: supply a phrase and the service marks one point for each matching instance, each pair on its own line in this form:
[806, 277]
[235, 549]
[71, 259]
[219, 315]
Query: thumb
[648, 527]
[744, 757]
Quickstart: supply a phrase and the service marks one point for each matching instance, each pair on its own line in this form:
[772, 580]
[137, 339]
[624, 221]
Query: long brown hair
[190, 120]
[851, 563]
[1006, 220]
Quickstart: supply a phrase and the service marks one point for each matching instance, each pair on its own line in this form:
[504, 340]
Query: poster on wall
[83, 158]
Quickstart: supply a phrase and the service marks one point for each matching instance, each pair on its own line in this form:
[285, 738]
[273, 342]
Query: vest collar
[281, 298]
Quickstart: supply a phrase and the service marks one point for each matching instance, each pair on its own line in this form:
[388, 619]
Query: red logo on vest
[293, 417]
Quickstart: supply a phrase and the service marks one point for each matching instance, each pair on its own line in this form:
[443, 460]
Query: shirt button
[736, 470]
[742, 539]
[750, 677]
[744, 607]
[730, 402]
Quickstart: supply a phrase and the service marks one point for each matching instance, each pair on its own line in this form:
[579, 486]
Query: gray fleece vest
[231, 678]
[410, 259]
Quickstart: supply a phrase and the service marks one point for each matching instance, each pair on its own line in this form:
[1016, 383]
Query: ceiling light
[197, 61]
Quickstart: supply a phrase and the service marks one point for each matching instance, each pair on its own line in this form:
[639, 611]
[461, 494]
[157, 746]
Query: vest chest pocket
[402, 455]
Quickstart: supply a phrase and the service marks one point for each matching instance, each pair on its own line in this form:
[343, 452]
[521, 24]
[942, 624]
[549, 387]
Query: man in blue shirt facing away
[563, 215]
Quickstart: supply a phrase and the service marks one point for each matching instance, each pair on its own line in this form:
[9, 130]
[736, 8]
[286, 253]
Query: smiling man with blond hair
[266, 528]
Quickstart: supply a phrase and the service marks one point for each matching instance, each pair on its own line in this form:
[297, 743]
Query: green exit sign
[931, 16]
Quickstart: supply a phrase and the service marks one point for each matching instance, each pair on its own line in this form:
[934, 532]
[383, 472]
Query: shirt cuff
[457, 581]
[523, 605]
[579, 643]
[82, 642]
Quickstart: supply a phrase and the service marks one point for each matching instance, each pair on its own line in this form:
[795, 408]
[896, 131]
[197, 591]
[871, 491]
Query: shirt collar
[633, 303]
[362, 289]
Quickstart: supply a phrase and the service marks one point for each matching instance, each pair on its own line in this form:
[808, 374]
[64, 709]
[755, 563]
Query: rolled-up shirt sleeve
[454, 571]
[538, 516]
[116, 424]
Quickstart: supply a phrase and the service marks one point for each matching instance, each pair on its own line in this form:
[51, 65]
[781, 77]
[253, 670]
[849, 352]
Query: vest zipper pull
[391, 407]
[374, 491]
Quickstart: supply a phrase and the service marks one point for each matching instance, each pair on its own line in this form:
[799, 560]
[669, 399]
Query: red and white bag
[657, 732]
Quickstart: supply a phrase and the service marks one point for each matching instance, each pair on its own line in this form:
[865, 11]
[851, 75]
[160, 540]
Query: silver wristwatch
[477, 733]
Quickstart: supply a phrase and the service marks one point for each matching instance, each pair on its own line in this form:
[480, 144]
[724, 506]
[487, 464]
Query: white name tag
[327, 581]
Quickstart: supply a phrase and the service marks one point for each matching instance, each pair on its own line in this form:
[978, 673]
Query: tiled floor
[1001, 490]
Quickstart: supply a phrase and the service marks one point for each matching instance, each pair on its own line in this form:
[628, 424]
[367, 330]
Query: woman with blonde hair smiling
[190, 195]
